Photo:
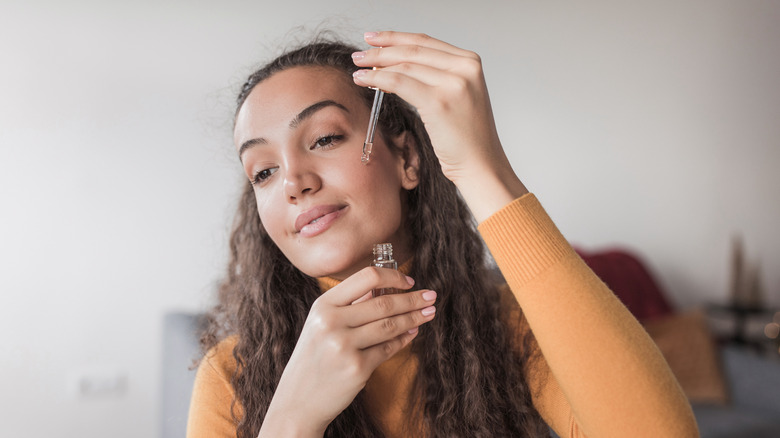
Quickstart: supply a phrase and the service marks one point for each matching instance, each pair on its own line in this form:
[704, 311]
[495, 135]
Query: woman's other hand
[345, 338]
[447, 86]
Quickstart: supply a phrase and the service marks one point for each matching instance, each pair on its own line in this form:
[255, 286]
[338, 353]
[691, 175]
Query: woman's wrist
[278, 423]
[486, 192]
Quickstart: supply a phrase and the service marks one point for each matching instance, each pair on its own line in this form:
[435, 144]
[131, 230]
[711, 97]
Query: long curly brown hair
[471, 379]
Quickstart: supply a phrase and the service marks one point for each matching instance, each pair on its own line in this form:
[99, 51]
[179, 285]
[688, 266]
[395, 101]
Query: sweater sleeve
[599, 373]
[548, 399]
[212, 395]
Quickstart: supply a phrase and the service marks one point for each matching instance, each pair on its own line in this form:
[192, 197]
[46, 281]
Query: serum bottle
[383, 258]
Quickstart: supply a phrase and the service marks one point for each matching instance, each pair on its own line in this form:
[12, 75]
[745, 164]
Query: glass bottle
[383, 258]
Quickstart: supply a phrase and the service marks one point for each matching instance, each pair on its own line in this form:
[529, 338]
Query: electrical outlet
[99, 383]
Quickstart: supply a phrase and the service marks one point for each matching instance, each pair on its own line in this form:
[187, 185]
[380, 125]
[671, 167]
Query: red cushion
[625, 274]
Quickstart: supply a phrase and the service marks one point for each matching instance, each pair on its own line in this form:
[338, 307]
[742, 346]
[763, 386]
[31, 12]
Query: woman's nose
[300, 181]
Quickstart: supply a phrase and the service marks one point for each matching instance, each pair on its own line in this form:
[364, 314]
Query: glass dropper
[372, 121]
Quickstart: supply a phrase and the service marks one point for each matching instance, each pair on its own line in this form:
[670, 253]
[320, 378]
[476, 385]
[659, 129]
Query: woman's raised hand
[447, 86]
[345, 338]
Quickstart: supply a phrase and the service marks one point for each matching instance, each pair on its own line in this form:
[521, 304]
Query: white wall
[651, 126]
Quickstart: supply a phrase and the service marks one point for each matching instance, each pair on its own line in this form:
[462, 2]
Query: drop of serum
[366, 153]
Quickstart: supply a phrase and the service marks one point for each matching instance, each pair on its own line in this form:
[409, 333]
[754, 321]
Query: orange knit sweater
[600, 374]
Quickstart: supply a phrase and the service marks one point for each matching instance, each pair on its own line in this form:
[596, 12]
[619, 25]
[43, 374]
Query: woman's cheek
[266, 211]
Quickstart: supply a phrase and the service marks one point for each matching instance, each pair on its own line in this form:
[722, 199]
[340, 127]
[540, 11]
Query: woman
[296, 346]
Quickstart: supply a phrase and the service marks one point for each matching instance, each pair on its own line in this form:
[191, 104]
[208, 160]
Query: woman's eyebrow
[311, 109]
[248, 144]
[303, 115]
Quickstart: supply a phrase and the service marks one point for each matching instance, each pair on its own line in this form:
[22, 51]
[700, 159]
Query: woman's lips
[317, 219]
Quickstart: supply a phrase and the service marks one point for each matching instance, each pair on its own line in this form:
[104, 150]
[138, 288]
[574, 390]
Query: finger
[408, 88]
[392, 38]
[428, 75]
[356, 285]
[377, 354]
[391, 56]
[387, 56]
[385, 329]
[387, 306]
[363, 298]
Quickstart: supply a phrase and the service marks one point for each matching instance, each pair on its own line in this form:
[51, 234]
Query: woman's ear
[409, 159]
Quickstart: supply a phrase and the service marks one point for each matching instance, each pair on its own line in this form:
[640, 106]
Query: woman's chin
[337, 269]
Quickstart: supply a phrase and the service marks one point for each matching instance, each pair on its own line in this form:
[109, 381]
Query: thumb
[358, 285]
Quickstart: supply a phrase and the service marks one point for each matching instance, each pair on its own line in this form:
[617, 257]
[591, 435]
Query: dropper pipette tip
[372, 122]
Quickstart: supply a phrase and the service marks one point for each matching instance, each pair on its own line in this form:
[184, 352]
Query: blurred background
[652, 126]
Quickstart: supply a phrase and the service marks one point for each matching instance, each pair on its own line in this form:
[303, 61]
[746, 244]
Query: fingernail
[429, 295]
[410, 280]
[413, 331]
[357, 56]
[428, 311]
[369, 35]
[359, 73]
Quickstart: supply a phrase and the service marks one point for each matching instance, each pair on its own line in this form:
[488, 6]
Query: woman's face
[300, 136]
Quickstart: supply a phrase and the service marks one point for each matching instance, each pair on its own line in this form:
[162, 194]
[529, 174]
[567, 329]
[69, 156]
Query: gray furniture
[754, 387]
[179, 349]
[754, 391]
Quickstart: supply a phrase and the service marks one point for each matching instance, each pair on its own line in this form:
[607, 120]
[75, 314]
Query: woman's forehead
[276, 101]
[293, 89]
[302, 85]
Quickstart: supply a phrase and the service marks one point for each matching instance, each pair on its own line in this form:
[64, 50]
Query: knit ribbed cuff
[523, 239]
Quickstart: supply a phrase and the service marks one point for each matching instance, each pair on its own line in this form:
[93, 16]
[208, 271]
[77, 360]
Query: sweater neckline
[326, 283]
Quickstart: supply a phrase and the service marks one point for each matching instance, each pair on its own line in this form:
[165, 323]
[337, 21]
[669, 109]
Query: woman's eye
[261, 176]
[327, 141]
